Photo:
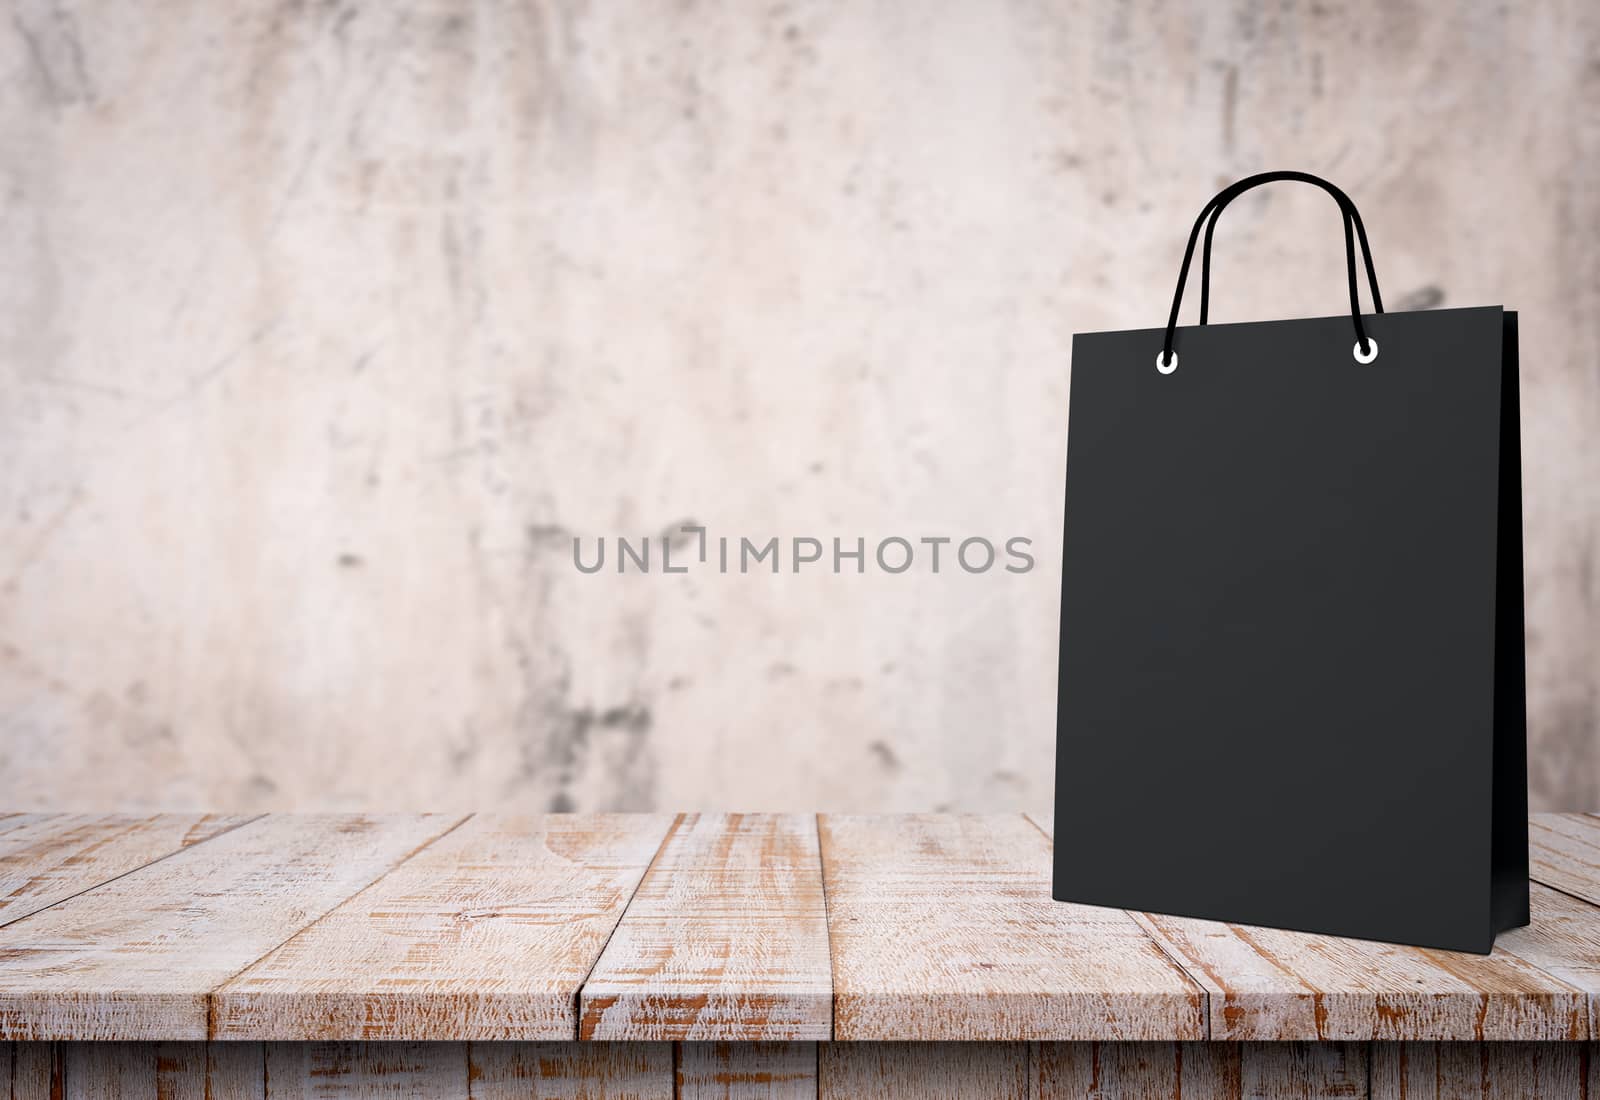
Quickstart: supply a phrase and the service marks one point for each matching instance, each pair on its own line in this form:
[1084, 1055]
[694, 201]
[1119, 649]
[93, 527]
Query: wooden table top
[702, 926]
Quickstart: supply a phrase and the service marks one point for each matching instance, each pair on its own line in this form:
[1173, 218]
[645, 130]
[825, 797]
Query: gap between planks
[827, 924]
[132, 827]
[1579, 824]
[211, 994]
[725, 939]
[577, 993]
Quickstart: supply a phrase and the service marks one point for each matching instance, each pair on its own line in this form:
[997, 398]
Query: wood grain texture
[162, 1071]
[1564, 852]
[1110, 1071]
[366, 1071]
[1456, 1071]
[138, 957]
[1563, 940]
[571, 1071]
[924, 1071]
[747, 1071]
[45, 858]
[486, 934]
[1268, 984]
[1302, 1071]
[37, 1072]
[943, 928]
[726, 938]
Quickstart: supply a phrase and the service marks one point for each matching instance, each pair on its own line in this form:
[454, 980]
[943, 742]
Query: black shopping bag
[1292, 687]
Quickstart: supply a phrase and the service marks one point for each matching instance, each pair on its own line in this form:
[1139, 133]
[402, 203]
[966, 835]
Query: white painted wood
[1111, 1071]
[928, 1071]
[45, 858]
[747, 1071]
[1268, 984]
[37, 1072]
[486, 934]
[138, 957]
[727, 938]
[366, 1071]
[943, 928]
[1563, 940]
[1453, 1071]
[1564, 852]
[162, 1071]
[572, 1071]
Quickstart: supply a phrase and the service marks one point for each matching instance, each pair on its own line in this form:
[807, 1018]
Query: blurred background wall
[325, 327]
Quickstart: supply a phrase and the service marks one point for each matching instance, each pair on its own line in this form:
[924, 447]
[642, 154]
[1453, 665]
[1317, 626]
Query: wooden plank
[366, 1071]
[17, 821]
[1302, 1071]
[747, 1071]
[727, 938]
[107, 1071]
[138, 957]
[37, 1072]
[1268, 984]
[1109, 1071]
[236, 1070]
[162, 1071]
[45, 858]
[571, 1071]
[927, 1071]
[1564, 852]
[1564, 941]
[1449, 1071]
[486, 934]
[943, 928]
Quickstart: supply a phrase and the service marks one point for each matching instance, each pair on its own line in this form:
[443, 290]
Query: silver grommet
[1370, 356]
[1169, 367]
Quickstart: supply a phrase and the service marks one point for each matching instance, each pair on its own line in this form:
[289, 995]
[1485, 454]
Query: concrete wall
[325, 327]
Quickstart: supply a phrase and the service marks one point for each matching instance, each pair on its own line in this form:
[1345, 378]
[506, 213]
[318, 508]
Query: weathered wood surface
[726, 938]
[575, 1070]
[949, 1071]
[1268, 984]
[718, 928]
[1564, 941]
[1453, 1071]
[488, 933]
[1109, 1071]
[46, 858]
[157, 1071]
[36, 1071]
[1211, 1071]
[943, 928]
[571, 1071]
[746, 1071]
[138, 957]
[1564, 852]
[365, 1071]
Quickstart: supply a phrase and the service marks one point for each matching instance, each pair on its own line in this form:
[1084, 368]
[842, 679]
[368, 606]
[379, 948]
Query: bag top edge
[1160, 330]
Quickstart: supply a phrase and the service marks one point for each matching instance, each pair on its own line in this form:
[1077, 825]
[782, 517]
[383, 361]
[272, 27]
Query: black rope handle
[1351, 214]
[1352, 227]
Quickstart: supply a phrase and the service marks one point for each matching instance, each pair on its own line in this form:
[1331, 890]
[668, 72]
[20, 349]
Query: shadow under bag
[1291, 687]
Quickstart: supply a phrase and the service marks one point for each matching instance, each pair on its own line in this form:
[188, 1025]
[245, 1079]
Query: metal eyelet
[1370, 356]
[1169, 367]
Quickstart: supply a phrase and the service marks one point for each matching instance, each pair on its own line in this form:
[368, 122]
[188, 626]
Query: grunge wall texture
[326, 326]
